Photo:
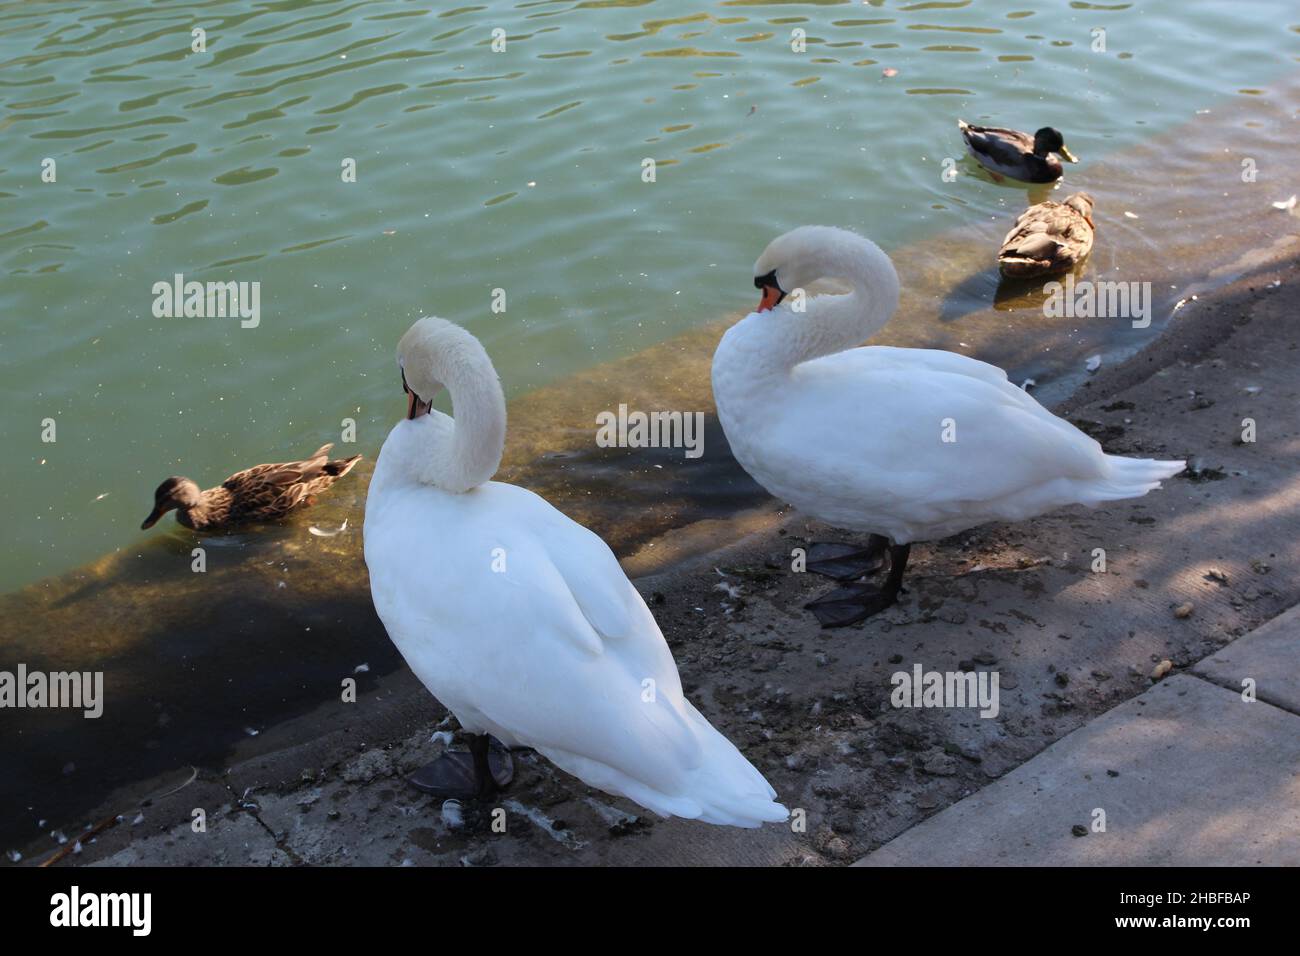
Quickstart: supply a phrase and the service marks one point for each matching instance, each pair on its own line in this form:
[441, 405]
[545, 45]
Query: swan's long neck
[775, 342]
[468, 452]
[455, 454]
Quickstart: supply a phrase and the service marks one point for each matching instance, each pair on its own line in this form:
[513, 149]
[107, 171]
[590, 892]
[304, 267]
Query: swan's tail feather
[724, 789]
[729, 789]
[1132, 477]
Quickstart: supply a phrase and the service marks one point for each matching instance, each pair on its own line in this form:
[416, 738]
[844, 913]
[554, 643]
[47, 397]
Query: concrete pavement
[1190, 773]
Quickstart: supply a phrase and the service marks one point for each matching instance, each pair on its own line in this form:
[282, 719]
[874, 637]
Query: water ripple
[516, 164]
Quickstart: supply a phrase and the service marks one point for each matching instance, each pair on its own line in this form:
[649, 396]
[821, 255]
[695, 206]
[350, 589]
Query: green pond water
[521, 170]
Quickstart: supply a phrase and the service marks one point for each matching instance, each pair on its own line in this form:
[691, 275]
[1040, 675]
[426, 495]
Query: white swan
[520, 620]
[908, 444]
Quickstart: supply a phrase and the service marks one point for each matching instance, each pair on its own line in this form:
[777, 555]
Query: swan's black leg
[464, 775]
[898, 555]
[844, 562]
[857, 602]
[479, 746]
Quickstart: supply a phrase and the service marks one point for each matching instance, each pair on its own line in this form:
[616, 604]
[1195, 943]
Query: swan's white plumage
[855, 436]
[522, 623]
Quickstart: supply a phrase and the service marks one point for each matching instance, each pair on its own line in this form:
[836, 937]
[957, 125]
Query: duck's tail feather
[1023, 267]
[320, 452]
[340, 466]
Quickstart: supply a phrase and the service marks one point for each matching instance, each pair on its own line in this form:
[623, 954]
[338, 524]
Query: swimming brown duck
[1011, 153]
[260, 493]
[1049, 237]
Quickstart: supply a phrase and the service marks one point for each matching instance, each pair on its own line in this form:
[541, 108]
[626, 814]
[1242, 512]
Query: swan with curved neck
[904, 444]
[520, 620]
[459, 454]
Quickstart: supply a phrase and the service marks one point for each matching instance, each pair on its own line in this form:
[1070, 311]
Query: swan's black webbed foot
[851, 605]
[467, 774]
[855, 603]
[847, 562]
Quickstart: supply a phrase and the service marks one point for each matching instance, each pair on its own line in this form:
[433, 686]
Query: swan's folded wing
[596, 703]
[594, 577]
[905, 427]
[870, 359]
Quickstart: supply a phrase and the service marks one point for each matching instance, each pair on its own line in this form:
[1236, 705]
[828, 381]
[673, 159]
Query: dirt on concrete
[1188, 568]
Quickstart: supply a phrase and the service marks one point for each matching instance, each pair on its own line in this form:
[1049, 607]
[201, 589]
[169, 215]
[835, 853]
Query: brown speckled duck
[260, 493]
[1049, 237]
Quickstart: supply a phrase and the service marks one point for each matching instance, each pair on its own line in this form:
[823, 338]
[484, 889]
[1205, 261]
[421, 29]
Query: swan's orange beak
[415, 407]
[772, 297]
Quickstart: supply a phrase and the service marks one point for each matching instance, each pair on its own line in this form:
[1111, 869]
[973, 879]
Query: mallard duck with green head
[1017, 155]
[260, 493]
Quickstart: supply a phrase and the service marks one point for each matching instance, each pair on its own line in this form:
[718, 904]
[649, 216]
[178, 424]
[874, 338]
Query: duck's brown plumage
[260, 493]
[1049, 237]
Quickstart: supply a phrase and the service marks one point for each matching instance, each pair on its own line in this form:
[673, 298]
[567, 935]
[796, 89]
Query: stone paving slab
[1188, 774]
[1270, 655]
